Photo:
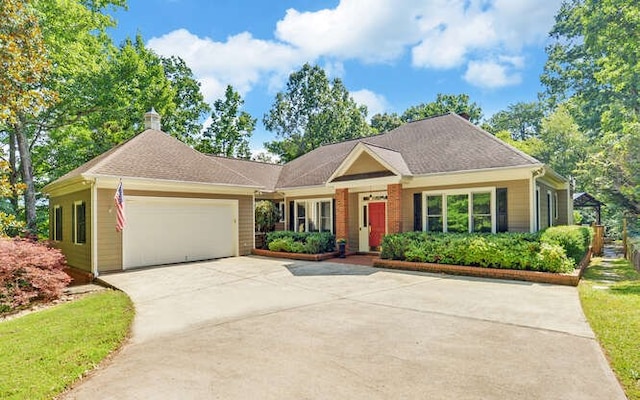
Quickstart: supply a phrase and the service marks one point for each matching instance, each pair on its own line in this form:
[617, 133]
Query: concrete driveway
[255, 328]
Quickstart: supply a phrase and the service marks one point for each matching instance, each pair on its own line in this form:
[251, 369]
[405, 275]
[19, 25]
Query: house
[441, 174]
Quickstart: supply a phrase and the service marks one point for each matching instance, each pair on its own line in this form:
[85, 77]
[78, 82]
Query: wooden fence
[631, 248]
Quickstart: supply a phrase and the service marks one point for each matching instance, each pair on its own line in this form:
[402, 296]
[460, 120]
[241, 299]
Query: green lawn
[610, 295]
[43, 353]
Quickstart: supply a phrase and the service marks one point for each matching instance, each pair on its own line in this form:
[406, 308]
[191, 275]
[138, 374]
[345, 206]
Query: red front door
[377, 223]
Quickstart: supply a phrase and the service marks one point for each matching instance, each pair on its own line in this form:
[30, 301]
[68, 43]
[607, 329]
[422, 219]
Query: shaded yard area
[610, 296]
[43, 353]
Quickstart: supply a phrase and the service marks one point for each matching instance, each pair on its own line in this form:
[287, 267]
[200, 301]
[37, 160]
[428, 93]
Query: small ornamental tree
[29, 271]
[266, 216]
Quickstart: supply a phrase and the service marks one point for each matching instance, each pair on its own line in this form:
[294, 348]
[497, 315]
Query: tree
[312, 112]
[381, 123]
[230, 129]
[521, 120]
[593, 61]
[266, 216]
[9, 224]
[445, 103]
[24, 68]
[23, 60]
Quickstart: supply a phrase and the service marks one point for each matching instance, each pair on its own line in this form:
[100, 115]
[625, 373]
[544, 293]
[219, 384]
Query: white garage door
[173, 230]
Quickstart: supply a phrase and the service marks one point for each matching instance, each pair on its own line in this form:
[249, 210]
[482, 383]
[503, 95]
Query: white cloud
[438, 34]
[241, 60]
[376, 103]
[491, 74]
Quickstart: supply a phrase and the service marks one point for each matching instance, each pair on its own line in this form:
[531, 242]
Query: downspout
[94, 229]
[533, 216]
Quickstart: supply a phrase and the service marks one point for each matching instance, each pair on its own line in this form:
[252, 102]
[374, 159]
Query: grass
[43, 353]
[610, 296]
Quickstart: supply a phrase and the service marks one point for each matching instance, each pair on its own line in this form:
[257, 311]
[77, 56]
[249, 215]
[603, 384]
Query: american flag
[121, 221]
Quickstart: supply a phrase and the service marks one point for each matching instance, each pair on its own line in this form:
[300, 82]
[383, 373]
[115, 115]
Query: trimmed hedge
[573, 239]
[301, 242]
[525, 251]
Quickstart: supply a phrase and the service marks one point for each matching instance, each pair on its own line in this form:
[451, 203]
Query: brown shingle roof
[155, 155]
[442, 144]
[446, 143]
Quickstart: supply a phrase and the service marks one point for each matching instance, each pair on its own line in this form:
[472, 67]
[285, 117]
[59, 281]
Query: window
[460, 211]
[79, 222]
[481, 212]
[56, 229]
[555, 205]
[314, 216]
[434, 213]
[457, 213]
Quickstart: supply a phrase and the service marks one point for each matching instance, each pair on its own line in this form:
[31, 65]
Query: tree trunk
[26, 170]
[13, 174]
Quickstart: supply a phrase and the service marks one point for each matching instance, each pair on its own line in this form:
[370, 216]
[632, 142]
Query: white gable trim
[353, 156]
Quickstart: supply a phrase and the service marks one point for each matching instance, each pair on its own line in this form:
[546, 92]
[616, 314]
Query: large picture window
[314, 215]
[459, 211]
[79, 222]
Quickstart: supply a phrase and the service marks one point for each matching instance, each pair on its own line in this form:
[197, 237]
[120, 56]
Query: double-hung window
[79, 222]
[314, 215]
[460, 211]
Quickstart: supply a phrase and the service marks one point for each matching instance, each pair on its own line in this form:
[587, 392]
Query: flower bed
[301, 242]
[544, 252]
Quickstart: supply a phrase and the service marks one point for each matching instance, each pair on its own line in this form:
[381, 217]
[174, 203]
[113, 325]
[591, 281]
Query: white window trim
[310, 205]
[75, 222]
[468, 192]
[56, 222]
[555, 205]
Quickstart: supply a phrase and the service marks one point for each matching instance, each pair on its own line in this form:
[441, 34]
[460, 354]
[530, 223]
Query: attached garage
[164, 230]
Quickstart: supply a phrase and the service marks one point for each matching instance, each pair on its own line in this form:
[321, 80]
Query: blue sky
[390, 54]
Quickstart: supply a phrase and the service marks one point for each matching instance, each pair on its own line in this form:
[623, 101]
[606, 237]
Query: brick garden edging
[294, 256]
[493, 273]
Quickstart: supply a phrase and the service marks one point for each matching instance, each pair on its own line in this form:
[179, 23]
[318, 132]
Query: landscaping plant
[29, 271]
[301, 242]
[558, 249]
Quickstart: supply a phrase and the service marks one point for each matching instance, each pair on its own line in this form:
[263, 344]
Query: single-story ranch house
[440, 174]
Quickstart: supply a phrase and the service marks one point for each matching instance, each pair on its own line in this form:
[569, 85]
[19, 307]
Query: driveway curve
[250, 327]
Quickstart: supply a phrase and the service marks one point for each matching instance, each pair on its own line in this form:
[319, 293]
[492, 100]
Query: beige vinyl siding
[364, 164]
[517, 202]
[563, 208]
[110, 241]
[77, 255]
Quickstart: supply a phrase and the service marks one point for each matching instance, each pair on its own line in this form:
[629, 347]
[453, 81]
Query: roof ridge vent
[152, 120]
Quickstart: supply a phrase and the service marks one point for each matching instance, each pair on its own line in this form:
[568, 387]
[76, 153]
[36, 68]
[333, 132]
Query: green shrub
[522, 251]
[281, 244]
[301, 242]
[573, 239]
[552, 258]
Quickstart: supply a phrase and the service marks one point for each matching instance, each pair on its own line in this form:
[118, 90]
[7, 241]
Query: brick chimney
[152, 120]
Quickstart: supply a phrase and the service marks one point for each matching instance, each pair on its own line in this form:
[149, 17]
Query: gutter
[533, 215]
[94, 229]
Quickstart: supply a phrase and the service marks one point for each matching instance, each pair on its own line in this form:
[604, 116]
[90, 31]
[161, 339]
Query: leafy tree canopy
[230, 129]
[444, 103]
[593, 61]
[313, 111]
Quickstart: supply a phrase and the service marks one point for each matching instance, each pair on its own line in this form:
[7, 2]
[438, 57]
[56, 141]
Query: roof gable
[369, 161]
[157, 156]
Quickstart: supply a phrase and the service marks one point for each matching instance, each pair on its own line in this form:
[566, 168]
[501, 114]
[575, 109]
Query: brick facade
[342, 214]
[394, 208]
